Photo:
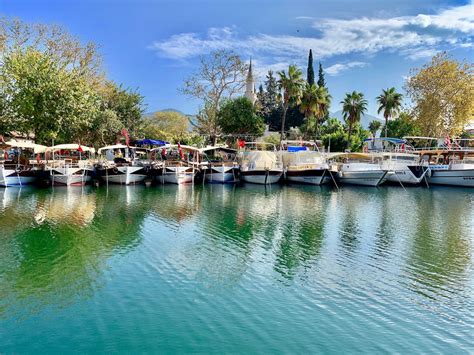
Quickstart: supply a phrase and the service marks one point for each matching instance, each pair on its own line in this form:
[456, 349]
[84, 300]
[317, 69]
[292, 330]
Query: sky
[365, 45]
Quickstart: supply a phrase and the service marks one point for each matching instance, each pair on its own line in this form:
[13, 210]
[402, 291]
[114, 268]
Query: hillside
[365, 120]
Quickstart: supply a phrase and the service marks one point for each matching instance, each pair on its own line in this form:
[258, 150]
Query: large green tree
[353, 107]
[166, 125]
[390, 103]
[321, 80]
[314, 103]
[291, 85]
[238, 116]
[403, 126]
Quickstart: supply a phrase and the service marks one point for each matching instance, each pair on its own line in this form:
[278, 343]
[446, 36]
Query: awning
[151, 142]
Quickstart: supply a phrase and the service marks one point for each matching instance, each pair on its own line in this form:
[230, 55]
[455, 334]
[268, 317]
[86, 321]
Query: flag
[456, 144]
[447, 142]
[180, 151]
[241, 143]
[127, 137]
[79, 149]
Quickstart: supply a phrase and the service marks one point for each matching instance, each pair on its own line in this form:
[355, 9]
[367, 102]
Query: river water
[214, 269]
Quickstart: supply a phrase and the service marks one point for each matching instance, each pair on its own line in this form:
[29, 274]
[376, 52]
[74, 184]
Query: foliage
[374, 126]
[221, 75]
[238, 116]
[166, 125]
[442, 93]
[390, 103]
[291, 84]
[314, 103]
[353, 106]
[403, 126]
[310, 72]
[273, 138]
[321, 80]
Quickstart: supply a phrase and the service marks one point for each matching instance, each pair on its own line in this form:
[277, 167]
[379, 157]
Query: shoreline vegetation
[53, 89]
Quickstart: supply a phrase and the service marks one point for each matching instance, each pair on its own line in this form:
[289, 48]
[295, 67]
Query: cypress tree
[310, 73]
[321, 81]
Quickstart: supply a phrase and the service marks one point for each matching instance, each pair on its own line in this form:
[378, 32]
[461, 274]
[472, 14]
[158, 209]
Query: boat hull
[123, 175]
[69, 176]
[9, 177]
[412, 175]
[221, 174]
[175, 175]
[464, 177]
[262, 177]
[365, 178]
[308, 176]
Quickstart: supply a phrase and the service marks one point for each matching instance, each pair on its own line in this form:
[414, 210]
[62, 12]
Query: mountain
[364, 121]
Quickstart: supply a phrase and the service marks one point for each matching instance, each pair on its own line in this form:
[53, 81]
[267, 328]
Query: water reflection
[56, 244]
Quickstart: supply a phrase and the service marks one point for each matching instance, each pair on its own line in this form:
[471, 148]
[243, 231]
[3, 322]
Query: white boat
[219, 164]
[260, 166]
[70, 165]
[18, 166]
[121, 164]
[179, 164]
[303, 163]
[449, 167]
[358, 169]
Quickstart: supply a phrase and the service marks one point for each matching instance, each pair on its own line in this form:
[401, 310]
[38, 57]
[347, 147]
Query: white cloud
[340, 67]
[411, 36]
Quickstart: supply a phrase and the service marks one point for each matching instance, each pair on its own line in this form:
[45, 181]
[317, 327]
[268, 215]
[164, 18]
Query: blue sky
[364, 45]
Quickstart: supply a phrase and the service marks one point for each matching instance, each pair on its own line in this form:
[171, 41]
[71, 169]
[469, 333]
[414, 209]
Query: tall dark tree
[321, 81]
[310, 73]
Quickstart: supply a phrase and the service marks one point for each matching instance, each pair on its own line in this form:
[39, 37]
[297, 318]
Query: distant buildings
[250, 91]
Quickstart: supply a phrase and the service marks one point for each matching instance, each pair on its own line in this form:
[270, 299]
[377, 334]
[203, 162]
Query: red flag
[79, 149]
[241, 143]
[127, 137]
[180, 151]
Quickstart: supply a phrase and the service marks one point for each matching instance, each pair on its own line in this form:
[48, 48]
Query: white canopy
[171, 146]
[118, 146]
[70, 147]
[24, 145]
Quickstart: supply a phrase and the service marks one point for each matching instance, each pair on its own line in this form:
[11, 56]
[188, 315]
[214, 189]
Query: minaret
[250, 87]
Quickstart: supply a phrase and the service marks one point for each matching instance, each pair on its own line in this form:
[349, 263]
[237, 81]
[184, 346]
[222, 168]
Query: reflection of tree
[61, 255]
[441, 252]
[302, 224]
[176, 203]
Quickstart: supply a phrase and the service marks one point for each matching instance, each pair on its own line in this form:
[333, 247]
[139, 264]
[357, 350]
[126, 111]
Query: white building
[250, 91]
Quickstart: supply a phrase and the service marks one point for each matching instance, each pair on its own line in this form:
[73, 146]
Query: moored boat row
[259, 163]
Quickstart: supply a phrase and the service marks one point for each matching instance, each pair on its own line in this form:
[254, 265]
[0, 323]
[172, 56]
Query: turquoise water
[214, 269]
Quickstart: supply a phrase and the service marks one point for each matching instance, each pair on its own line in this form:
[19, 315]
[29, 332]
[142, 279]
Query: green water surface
[246, 269]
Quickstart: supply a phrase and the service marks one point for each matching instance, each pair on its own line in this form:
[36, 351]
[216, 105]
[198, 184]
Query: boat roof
[224, 148]
[301, 142]
[118, 146]
[71, 146]
[352, 155]
[387, 139]
[25, 145]
[171, 146]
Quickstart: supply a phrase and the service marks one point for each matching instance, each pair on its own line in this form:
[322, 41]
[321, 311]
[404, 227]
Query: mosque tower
[250, 91]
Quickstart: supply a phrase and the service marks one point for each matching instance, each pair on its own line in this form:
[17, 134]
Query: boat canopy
[38, 148]
[119, 146]
[151, 142]
[361, 156]
[223, 148]
[301, 158]
[175, 146]
[259, 159]
[391, 140]
[73, 146]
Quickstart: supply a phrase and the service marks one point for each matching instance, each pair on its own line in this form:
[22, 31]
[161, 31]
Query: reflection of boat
[67, 205]
[260, 166]
[219, 164]
[179, 164]
[120, 164]
[18, 168]
[303, 163]
[359, 169]
[70, 164]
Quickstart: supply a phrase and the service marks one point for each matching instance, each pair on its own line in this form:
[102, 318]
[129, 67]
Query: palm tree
[315, 101]
[374, 126]
[390, 103]
[353, 106]
[291, 85]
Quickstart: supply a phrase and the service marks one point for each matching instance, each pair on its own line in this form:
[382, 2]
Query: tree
[310, 72]
[403, 126]
[374, 126]
[220, 75]
[353, 106]
[314, 103]
[442, 93]
[238, 116]
[321, 81]
[291, 85]
[166, 125]
[390, 103]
